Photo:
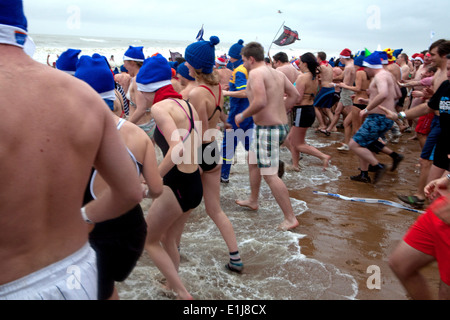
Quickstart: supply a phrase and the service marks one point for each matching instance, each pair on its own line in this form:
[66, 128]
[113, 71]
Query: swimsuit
[304, 116]
[187, 187]
[266, 144]
[118, 242]
[218, 108]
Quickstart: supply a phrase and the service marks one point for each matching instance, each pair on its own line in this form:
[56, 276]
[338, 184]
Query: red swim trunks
[424, 124]
[430, 235]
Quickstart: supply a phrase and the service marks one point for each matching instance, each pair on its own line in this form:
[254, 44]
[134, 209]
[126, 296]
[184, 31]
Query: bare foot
[288, 225]
[247, 204]
[326, 162]
[292, 168]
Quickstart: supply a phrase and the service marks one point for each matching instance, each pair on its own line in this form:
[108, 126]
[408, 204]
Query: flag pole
[274, 39]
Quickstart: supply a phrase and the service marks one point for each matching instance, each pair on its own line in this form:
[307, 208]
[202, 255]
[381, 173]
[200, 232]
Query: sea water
[275, 268]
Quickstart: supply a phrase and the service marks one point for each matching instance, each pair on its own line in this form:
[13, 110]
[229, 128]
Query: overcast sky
[322, 25]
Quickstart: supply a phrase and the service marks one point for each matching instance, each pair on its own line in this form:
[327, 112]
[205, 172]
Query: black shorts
[210, 156]
[303, 116]
[187, 187]
[119, 244]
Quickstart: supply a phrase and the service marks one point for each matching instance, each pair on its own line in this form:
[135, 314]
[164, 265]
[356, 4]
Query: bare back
[326, 75]
[290, 72]
[272, 84]
[53, 131]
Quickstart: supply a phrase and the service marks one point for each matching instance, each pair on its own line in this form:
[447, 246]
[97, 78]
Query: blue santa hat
[373, 61]
[235, 50]
[13, 23]
[201, 55]
[134, 54]
[154, 74]
[96, 72]
[359, 59]
[383, 56]
[68, 60]
[184, 71]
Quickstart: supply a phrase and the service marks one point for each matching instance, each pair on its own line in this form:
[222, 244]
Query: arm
[150, 170]
[119, 172]
[358, 83]
[236, 94]
[413, 113]
[141, 107]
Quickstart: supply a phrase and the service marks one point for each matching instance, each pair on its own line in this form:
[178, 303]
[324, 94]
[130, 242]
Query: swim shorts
[430, 235]
[430, 144]
[266, 144]
[346, 97]
[325, 98]
[210, 156]
[119, 244]
[373, 128]
[72, 278]
[148, 127]
[424, 124]
[304, 116]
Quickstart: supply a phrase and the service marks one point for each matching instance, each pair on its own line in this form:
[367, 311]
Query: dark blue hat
[201, 55]
[373, 61]
[68, 60]
[235, 50]
[359, 59]
[13, 23]
[184, 71]
[96, 72]
[154, 74]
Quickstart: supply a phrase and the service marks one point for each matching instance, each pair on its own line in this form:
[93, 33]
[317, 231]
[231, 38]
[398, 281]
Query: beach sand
[354, 236]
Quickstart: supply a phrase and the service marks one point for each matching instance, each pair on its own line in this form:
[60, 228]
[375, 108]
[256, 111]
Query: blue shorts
[375, 126]
[430, 144]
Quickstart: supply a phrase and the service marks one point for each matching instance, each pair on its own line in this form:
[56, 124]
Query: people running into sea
[238, 103]
[177, 137]
[208, 100]
[270, 94]
[304, 114]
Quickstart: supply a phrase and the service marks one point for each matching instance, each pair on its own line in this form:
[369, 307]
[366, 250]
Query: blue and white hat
[68, 60]
[373, 61]
[134, 54]
[13, 23]
[154, 74]
[96, 72]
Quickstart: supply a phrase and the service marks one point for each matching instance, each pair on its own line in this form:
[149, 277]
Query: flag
[288, 37]
[200, 34]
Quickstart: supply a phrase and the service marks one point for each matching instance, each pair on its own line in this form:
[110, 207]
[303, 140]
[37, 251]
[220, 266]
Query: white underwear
[73, 278]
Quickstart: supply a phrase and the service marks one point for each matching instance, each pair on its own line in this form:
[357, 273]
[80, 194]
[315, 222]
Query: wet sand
[347, 235]
[354, 236]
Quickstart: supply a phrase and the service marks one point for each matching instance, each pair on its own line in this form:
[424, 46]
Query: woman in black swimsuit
[178, 139]
[208, 101]
[307, 85]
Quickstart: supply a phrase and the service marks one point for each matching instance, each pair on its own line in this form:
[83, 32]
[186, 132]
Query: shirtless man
[323, 102]
[271, 95]
[140, 113]
[44, 246]
[382, 90]
[281, 63]
[345, 104]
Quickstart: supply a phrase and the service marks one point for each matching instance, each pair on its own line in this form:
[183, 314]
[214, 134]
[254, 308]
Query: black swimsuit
[187, 187]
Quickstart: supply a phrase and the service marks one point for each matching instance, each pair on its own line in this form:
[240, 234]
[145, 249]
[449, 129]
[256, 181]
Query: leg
[281, 194]
[320, 118]
[335, 118]
[406, 262]
[299, 145]
[444, 291]
[162, 216]
[255, 184]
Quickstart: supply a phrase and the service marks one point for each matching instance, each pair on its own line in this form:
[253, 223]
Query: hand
[427, 93]
[363, 113]
[442, 210]
[389, 114]
[437, 188]
[363, 101]
[238, 119]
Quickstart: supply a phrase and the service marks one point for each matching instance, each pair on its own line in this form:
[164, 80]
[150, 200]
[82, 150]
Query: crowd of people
[92, 137]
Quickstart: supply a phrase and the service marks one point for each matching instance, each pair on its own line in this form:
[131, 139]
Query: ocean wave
[93, 40]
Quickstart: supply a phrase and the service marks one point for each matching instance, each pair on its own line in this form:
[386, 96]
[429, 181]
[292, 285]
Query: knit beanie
[184, 71]
[13, 23]
[154, 74]
[201, 55]
[68, 60]
[96, 72]
[134, 54]
[235, 50]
